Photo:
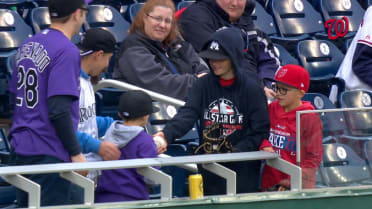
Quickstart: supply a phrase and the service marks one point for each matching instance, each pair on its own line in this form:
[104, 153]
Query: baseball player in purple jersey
[46, 88]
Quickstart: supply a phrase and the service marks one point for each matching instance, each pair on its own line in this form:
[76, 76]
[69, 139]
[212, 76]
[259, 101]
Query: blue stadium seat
[22, 7]
[264, 21]
[40, 20]
[334, 124]
[183, 4]
[159, 119]
[359, 122]
[6, 69]
[13, 31]
[297, 19]
[321, 59]
[4, 147]
[132, 11]
[343, 167]
[336, 9]
[108, 18]
[107, 100]
[284, 56]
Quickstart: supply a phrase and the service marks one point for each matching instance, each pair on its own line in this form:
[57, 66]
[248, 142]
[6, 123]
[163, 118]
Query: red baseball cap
[293, 75]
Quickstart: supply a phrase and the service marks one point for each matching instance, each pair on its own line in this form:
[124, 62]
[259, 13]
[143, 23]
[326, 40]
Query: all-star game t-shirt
[47, 65]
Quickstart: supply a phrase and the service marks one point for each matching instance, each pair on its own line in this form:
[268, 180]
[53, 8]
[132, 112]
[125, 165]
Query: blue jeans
[54, 189]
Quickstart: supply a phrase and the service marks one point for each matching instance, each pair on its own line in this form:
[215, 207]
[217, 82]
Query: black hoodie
[241, 108]
[200, 20]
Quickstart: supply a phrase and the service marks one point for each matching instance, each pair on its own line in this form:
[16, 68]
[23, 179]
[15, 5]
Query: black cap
[96, 39]
[135, 104]
[62, 8]
[214, 51]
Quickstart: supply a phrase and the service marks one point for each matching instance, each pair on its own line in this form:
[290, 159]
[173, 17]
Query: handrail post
[289, 168]
[160, 177]
[225, 173]
[25, 184]
[85, 183]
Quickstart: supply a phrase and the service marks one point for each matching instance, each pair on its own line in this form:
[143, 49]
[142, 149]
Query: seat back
[342, 166]
[319, 57]
[13, 30]
[296, 17]
[334, 123]
[337, 9]
[359, 122]
[284, 56]
[133, 10]
[40, 19]
[107, 18]
[263, 20]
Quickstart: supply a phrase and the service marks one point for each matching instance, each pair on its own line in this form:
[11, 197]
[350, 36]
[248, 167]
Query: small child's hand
[268, 149]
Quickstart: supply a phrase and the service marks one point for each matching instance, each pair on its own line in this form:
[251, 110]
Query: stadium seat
[321, 59]
[284, 56]
[108, 18]
[334, 124]
[40, 20]
[13, 31]
[4, 147]
[343, 167]
[336, 9]
[158, 120]
[296, 19]
[263, 21]
[6, 69]
[22, 7]
[184, 3]
[132, 11]
[107, 100]
[359, 122]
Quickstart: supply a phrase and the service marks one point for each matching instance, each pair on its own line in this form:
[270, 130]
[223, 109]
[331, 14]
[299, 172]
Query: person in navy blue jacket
[230, 100]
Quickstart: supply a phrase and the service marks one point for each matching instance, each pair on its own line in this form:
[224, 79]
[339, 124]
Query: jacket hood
[231, 41]
[121, 134]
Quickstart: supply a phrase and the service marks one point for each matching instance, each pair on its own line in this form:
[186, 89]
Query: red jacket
[283, 140]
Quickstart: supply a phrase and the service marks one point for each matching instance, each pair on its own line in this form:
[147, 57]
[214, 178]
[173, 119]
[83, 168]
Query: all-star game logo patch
[224, 112]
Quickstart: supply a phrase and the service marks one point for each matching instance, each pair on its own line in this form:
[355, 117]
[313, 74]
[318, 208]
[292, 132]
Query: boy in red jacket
[291, 84]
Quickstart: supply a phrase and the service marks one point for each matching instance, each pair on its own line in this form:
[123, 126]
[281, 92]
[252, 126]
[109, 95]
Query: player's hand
[268, 149]
[109, 151]
[270, 94]
[161, 142]
[77, 159]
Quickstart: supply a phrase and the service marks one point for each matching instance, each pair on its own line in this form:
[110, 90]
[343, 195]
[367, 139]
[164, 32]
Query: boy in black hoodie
[229, 99]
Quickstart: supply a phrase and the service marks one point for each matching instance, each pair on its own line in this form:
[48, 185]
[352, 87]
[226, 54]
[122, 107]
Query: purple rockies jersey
[47, 64]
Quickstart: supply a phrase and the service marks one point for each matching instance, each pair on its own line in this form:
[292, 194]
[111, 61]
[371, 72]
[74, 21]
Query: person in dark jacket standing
[154, 57]
[230, 100]
[204, 17]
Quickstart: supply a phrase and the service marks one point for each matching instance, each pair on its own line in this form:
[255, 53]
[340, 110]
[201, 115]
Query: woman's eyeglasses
[159, 19]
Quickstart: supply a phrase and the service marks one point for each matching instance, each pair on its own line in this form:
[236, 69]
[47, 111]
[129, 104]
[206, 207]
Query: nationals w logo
[337, 28]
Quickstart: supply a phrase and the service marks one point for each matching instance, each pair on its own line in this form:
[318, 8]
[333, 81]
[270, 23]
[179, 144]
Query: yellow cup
[196, 186]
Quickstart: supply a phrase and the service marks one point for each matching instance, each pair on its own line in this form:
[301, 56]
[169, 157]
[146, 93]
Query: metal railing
[13, 174]
[125, 86]
[298, 124]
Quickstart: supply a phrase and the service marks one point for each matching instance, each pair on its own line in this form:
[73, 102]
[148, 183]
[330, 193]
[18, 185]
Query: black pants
[247, 178]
